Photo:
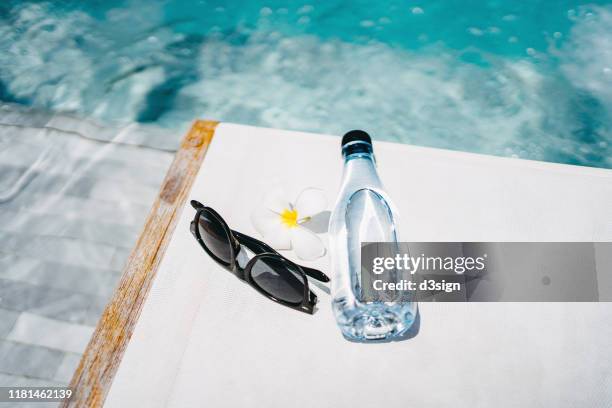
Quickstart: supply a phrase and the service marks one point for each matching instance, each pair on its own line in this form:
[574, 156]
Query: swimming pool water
[524, 79]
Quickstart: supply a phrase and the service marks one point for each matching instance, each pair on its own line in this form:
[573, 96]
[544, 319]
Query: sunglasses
[270, 273]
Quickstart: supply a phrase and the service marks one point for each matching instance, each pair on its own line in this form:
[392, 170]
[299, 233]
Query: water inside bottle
[369, 218]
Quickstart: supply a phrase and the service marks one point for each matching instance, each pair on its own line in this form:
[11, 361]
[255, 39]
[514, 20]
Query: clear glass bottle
[363, 213]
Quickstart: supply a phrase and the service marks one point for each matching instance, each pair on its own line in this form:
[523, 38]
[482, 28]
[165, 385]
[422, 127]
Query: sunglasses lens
[279, 279]
[214, 236]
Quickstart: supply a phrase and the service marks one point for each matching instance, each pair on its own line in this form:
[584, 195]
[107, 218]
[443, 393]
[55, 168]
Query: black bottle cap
[356, 136]
[356, 141]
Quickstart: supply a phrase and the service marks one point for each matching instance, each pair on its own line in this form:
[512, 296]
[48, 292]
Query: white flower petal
[262, 219]
[310, 201]
[306, 244]
[270, 227]
[278, 237]
[276, 200]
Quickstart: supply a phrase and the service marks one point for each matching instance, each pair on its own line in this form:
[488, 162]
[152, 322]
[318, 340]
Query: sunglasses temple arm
[315, 274]
[196, 205]
[257, 246]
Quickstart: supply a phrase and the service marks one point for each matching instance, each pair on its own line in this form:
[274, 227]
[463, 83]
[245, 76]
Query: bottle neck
[360, 157]
[356, 147]
[361, 167]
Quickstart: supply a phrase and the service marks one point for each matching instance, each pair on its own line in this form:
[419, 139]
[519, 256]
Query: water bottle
[363, 213]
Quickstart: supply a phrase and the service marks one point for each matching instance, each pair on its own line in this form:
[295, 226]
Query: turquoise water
[530, 80]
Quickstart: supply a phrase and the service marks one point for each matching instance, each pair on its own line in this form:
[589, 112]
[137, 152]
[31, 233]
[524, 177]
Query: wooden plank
[93, 377]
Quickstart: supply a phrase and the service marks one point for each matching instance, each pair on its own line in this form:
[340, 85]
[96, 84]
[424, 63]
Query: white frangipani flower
[280, 222]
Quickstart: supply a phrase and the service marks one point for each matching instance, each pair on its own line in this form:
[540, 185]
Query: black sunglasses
[268, 272]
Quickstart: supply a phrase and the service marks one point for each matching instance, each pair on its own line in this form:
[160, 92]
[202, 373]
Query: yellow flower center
[289, 218]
